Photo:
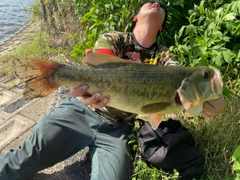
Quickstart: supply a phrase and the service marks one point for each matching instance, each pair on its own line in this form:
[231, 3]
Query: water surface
[13, 17]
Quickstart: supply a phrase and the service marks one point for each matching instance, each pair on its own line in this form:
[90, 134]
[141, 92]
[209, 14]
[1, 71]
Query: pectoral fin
[155, 107]
[155, 120]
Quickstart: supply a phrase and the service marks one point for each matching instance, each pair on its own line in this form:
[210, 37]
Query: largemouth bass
[130, 87]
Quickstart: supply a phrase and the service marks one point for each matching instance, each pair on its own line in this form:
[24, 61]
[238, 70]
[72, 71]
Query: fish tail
[37, 74]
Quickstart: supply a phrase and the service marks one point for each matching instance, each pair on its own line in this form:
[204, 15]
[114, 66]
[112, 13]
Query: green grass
[38, 46]
[218, 137]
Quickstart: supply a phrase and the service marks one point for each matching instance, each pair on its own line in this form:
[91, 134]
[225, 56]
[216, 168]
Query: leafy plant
[211, 38]
[143, 172]
[177, 17]
[99, 17]
[236, 160]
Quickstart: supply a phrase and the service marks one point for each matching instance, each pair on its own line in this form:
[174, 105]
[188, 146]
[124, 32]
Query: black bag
[170, 147]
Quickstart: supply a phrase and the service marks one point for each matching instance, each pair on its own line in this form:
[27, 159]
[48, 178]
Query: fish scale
[131, 82]
[130, 87]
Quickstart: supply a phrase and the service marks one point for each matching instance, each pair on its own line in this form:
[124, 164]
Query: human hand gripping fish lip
[213, 91]
[216, 84]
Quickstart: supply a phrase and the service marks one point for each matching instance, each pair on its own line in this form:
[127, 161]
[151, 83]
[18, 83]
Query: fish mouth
[194, 104]
[177, 99]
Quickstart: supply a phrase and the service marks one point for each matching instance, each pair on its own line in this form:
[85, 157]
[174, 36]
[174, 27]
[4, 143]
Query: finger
[209, 106]
[221, 103]
[165, 59]
[210, 110]
[88, 51]
[79, 91]
[214, 107]
[89, 100]
[101, 103]
[206, 114]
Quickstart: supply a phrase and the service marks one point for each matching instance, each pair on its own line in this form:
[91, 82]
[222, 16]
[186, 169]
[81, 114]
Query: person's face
[152, 9]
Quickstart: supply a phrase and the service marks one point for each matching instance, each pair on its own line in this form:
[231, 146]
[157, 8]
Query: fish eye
[205, 75]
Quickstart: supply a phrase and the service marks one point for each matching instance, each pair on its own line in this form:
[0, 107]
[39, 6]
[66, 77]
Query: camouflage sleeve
[108, 41]
[167, 58]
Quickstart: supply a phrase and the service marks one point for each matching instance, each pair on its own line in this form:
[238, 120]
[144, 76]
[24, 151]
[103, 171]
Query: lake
[13, 17]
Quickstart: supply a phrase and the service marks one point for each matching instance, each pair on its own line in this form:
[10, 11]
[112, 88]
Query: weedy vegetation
[199, 32]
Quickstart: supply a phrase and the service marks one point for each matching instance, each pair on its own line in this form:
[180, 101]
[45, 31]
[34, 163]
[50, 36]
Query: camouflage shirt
[125, 45]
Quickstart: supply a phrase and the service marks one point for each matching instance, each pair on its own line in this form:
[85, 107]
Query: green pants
[70, 128]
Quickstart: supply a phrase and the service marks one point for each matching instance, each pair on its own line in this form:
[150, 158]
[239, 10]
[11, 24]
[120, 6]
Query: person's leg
[111, 156]
[56, 137]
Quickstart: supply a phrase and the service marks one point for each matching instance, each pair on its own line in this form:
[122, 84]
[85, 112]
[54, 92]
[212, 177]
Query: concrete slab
[17, 141]
[11, 82]
[15, 105]
[13, 128]
[3, 117]
[3, 77]
[18, 89]
[37, 108]
[18, 119]
[7, 96]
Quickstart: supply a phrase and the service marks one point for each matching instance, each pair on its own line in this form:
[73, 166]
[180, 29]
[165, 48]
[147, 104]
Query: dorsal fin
[97, 58]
